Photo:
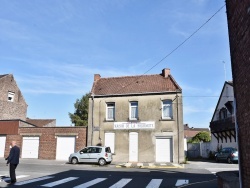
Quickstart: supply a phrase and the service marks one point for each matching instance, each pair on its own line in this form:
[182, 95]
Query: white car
[92, 154]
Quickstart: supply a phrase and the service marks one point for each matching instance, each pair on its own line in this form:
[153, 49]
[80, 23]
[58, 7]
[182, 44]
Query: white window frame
[133, 105]
[110, 106]
[167, 105]
[11, 96]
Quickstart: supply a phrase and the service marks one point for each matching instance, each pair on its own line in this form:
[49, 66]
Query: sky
[54, 48]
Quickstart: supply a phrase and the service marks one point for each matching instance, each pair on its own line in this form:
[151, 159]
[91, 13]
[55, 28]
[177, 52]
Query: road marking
[154, 183]
[181, 182]
[65, 180]
[121, 183]
[33, 180]
[90, 183]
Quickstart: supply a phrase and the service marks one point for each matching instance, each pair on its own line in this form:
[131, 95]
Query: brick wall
[238, 15]
[47, 144]
[11, 110]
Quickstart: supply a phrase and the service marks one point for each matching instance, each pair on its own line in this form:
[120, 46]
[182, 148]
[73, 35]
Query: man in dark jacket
[13, 160]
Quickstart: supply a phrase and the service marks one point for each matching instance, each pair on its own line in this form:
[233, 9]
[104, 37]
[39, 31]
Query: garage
[30, 147]
[2, 145]
[164, 149]
[64, 147]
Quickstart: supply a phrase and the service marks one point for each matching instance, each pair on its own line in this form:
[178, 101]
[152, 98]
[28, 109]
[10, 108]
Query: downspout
[92, 117]
[178, 142]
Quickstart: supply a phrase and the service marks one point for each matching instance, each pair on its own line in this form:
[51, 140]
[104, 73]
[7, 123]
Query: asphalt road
[33, 173]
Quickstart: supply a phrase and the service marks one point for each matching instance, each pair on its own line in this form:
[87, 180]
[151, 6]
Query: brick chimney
[165, 72]
[97, 77]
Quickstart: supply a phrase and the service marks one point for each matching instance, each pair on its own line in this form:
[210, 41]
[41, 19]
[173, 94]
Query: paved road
[43, 173]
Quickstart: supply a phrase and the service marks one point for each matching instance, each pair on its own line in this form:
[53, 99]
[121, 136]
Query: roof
[1, 76]
[226, 83]
[40, 122]
[141, 84]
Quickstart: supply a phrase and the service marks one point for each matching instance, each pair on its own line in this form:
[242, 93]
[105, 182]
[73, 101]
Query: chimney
[97, 77]
[165, 72]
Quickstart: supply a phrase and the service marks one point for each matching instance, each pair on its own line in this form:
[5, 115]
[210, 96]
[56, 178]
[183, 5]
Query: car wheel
[101, 162]
[74, 160]
[229, 160]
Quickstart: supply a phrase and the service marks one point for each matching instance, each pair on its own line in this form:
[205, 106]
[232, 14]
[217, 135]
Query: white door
[30, 147]
[2, 145]
[163, 150]
[64, 147]
[133, 147]
[110, 141]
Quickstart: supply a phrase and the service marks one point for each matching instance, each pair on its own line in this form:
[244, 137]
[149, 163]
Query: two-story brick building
[139, 117]
[37, 138]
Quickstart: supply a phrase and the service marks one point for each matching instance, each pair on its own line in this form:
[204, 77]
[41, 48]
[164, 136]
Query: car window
[108, 150]
[98, 150]
[84, 150]
[223, 151]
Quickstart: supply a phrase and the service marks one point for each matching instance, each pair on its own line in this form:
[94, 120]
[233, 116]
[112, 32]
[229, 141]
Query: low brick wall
[48, 138]
[228, 179]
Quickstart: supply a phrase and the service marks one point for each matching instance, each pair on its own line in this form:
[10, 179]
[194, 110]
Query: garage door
[110, 141]
[64, 147]
[2, 145]
[163, 150]
[30, 147]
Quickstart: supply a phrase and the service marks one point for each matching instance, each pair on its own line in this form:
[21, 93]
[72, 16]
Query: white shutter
[110, 141]
[163, 150]
[133, 147]
[64, 147]
[30, 147]
[2, 145]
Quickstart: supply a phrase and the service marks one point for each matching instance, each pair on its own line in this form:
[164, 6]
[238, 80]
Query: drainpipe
[178, 142]
[92, 116]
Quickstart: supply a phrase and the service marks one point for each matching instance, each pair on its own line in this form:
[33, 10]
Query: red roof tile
[141, 84]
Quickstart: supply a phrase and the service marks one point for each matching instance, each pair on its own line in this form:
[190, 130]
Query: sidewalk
[149, 165]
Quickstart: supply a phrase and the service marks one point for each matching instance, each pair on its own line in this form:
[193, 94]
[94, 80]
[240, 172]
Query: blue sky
[54, 48]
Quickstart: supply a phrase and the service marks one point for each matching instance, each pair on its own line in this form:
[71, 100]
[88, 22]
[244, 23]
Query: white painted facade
[227, 95]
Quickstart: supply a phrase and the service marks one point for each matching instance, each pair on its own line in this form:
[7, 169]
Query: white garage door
[2, 145]
[64, 147]
[163, 150]
[133, 147]
[30, 147]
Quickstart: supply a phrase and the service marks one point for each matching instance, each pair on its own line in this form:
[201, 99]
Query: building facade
[222, 124]
[139, 117]
[238, 16]
[37, 138]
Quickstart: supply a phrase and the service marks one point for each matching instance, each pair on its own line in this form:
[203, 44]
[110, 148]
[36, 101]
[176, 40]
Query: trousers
[13, 172]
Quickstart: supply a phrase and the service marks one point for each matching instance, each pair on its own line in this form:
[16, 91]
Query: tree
[201, 136]
[80, 116]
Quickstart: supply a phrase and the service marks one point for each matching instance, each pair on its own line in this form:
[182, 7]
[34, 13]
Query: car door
[84, 155]
[95, 154]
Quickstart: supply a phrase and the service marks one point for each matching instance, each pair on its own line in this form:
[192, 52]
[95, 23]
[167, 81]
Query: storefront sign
[135, 125]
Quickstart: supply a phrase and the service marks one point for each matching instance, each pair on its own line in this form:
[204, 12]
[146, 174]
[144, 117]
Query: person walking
[13, 160]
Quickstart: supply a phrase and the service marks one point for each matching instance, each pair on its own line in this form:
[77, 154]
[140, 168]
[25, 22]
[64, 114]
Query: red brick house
[238, 16]
[37, 138]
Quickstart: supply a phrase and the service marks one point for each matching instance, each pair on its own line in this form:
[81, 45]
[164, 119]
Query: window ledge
[109, 120]
[166, 119]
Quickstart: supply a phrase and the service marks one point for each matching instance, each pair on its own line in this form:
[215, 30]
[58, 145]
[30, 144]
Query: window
[11, 96]
[223, 113]
[133, 111]
[167, 112]
[110, 111]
